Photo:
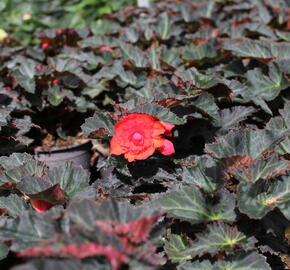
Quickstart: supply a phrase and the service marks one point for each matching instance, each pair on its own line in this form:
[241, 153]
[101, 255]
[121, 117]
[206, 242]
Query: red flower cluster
[138, 135]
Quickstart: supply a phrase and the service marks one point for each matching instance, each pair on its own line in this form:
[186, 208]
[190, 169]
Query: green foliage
[14, 204]
[257, 203]
[174, 247]
[191, 205]
[99, 123]
[204, 174]
[219, 238]
[21, 18]
[216, 76]
[242, 261]
[164, 114]
[250, 143]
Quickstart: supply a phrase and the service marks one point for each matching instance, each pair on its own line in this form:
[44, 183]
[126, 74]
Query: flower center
[137, 138]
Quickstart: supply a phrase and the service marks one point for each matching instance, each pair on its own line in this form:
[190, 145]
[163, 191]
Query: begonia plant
[190, 99]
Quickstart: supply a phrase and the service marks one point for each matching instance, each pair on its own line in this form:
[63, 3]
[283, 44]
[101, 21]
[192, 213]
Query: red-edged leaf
[40, 206]
[36, 252]
[52, 195]
[78, 251]
[91, 249]
[128, 224]
[131, 233]
[42, 195]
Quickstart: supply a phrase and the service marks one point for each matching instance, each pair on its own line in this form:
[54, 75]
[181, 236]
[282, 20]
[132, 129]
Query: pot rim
[85, 146]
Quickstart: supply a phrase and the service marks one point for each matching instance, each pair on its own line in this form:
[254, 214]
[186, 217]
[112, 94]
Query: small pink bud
[44, 45]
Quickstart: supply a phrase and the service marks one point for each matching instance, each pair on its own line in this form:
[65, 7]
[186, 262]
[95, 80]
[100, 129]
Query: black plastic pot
[80, 155]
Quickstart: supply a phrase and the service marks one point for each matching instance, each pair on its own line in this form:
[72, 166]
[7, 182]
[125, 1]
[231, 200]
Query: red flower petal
[142, 155]
[168, 128]
[158, 142]
[115, 147]
[167, 148]
[158, 129]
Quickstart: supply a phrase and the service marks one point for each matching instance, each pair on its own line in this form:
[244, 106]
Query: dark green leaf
[40, 189]
[263, 168]
[14, 160]
[99, 123]
[4, 249]
[283, 35]
[31, 185]
[164, 26]
[190, 204]
[259, 49]
[26, 230]
[98, 41]
[55, 97]
[136, 55]
[205, 104]
[154, 57]
[24, 74]
[200, 52]
[127, 76]
[218, 238]
[171, 57]
[199, 80]
[230, 118]
[74, 181]
[204, 174]
[27, 83]
[162, 113]
[52, 264]
[15, 174]
[174, 246]
[282, 123]
[204, 265]
[249, 142]
[266, 87]
[242, 261]
[14, 204]
[4, 116]
[131, 34]
[86, 212]
[256, 203]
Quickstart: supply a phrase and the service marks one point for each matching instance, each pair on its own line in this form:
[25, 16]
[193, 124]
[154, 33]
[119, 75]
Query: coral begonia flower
[138, 135]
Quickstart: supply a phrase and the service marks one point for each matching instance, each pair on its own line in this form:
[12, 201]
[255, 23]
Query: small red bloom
[138, 135]
[105, 48]
[59, 31]
[55, 81]
[38, 67]
[44, 45]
